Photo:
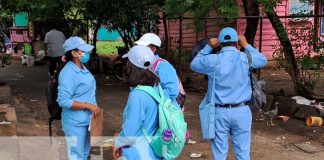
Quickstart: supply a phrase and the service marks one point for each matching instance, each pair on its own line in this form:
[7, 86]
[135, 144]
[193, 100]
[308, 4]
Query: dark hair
[152, 45]
[226, 44]
[134, 76]
[69, 56]
[157, 48]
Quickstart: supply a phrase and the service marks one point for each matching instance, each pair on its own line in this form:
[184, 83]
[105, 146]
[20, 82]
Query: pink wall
[190, 36]
[269, 37]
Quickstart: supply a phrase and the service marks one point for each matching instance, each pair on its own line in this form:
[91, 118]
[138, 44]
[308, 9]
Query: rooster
[270, 114]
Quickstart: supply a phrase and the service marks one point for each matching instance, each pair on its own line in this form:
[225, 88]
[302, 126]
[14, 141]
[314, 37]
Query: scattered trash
[4, 123]
[260, 119]
[195, 155]
[313, 121]
[37, 125]
[314, 131]
[191, 141]
[277, 138]
[307, 143]
[284, 118]
[33, 100]
[302, 100]
[319, 105]
[107, 77]
[283, 137]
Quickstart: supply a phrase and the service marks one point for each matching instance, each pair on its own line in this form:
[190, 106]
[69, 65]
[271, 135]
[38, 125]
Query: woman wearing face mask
[77, 97]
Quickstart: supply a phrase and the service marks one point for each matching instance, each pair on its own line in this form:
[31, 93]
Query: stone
[5, 94]
[308, 148]
[4, 108]
[11, 115]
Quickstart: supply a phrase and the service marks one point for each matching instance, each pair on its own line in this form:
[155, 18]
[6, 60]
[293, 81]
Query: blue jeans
[78, 141]
[237, 123]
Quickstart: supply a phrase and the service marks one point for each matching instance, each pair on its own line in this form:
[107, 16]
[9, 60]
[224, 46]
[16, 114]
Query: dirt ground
[278, 142]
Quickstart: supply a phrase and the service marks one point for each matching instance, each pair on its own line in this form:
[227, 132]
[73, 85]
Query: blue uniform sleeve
[203, 62]
[168, 79]
[258, 59]
[133, 120]
[66, 89]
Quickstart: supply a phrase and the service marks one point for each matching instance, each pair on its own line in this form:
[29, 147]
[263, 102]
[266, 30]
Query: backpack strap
[147, 137]
[248, 54]
[149, 90]
[156, 63]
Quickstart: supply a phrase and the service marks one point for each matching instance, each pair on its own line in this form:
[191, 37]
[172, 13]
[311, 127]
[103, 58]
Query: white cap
[140, 56]
[149, 38]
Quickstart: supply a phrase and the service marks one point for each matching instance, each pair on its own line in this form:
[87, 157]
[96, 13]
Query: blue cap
[227, 34]
[76, 43]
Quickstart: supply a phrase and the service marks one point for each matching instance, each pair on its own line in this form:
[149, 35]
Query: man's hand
[213, 42]
[242, 41]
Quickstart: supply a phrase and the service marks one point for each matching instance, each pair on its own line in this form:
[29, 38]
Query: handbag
[207, 114]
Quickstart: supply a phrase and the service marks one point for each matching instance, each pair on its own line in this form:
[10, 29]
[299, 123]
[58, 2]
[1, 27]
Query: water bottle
[167, 135]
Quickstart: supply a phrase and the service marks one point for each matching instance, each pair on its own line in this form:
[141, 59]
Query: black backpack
[259, 97]
[51, 96]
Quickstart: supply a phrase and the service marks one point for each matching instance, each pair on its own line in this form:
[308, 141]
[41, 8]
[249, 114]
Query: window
[297, 7]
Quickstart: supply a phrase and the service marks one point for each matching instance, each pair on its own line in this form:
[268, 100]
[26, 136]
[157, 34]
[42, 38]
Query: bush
[108, 47]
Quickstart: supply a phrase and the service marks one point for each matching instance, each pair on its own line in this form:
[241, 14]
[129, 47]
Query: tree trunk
[95, 32]
[166, 35]
[122, 35]
[316, 21]
[290, 58]
[251, 8]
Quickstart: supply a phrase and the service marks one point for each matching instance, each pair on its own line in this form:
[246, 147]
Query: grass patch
[108, 47]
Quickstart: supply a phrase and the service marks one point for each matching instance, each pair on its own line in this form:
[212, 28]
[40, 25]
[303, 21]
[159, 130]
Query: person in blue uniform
[232, 91]
[77, 97]
[165, 71]
[141, 110]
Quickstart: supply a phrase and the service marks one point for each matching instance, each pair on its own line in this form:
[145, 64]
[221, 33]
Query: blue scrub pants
[77, 140]
[237, 123]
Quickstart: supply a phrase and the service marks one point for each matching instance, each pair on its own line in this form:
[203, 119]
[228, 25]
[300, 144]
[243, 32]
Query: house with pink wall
[269, 38]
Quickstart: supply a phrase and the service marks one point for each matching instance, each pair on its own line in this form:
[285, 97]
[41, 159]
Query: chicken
[271, 114]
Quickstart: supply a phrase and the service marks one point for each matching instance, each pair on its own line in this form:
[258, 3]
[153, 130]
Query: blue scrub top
[141, 111]
[168, 79]
[231, 67]
[76, 84]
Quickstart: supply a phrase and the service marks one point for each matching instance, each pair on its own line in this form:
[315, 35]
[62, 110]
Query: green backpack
[170, 117]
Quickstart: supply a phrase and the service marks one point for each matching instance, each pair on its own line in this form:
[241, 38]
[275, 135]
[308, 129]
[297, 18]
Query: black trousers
[55, 62]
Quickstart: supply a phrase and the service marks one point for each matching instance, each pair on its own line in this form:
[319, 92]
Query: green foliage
[108, 47]
[5, 58]
[200, 9]
[307, 63]
[302, 37]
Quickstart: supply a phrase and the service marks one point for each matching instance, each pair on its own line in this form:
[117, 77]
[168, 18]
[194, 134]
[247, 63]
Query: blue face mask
[85, 58]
